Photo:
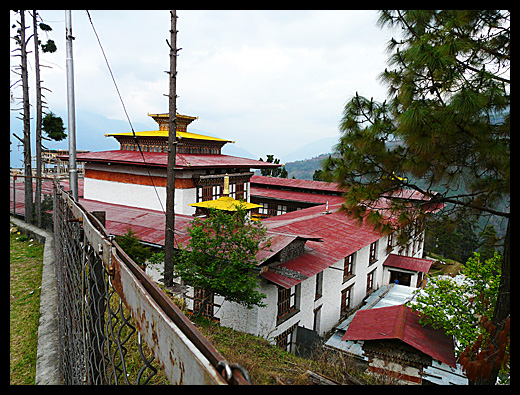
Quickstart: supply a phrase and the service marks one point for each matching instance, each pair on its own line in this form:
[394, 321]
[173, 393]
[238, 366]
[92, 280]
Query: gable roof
[408, 263]
[400, 322]
[340, 236]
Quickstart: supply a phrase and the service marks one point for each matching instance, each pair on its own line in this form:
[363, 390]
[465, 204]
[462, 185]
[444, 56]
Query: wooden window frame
[348, 267]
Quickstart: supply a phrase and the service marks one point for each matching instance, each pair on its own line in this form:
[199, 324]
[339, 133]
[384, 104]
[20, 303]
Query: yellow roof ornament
[226, 202]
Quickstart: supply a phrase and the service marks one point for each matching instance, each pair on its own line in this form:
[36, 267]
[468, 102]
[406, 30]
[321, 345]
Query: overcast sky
[273, 81]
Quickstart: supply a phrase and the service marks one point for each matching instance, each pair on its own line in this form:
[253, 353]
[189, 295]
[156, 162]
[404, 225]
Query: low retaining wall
[47, 359]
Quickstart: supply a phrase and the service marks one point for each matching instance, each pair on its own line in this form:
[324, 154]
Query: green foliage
[457, 304]
[489, 242]
[278, 172]
[131, 244]
[446, 120]
[221, 256]
[50, 46]
[451, 238]
[52, 125]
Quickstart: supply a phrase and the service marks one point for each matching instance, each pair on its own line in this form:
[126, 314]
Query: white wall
[135, 195]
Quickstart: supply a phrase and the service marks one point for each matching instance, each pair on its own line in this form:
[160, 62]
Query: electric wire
[126, 112]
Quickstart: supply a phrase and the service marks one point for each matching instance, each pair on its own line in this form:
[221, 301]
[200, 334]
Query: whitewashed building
[321, 263]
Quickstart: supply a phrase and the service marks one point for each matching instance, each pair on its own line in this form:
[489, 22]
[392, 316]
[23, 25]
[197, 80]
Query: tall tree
[444, 130]
[22, 41]
[48, 47]
[172, 152]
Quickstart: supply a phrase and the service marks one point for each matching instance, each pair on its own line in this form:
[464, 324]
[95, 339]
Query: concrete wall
[47, 357]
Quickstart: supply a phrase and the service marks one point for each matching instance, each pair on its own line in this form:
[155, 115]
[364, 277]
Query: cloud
[271, 80]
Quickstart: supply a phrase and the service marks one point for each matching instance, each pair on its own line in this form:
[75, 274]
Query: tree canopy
[446, 120]
[444, 130]
[221, 256]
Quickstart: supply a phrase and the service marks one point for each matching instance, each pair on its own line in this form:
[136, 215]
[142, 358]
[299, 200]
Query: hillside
[304, 169]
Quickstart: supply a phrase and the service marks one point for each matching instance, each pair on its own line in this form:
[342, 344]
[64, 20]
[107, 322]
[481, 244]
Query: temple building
[320, 264]
[124, 177]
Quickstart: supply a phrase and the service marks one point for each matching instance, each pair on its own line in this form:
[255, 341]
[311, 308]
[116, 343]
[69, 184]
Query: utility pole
[73, 174]
[172, 153]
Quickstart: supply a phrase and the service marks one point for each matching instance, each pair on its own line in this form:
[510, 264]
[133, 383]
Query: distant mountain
[90, 134]
[304, 169]
[229, 148]
[311, 150]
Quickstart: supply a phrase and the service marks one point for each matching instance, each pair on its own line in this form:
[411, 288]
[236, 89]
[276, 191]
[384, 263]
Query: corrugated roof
[341, 234]
[277, 242]
[341, 237]
[160, 159]
[147, 224]
[298, 269]
[408, 263]
[294, 196]
[400, 322]
[295, 183]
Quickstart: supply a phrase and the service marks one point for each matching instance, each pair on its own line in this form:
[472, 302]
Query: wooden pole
[172, 153]
[26, 124]
[38, 196]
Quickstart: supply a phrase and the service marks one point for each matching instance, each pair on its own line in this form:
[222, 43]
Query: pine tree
[446, 123]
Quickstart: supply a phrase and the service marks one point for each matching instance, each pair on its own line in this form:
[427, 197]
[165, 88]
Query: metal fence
[116, 326]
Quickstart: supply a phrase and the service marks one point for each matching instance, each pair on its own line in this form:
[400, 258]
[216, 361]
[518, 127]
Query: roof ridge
[400, 321]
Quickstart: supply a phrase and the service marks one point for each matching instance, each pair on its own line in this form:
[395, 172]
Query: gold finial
[226, 186]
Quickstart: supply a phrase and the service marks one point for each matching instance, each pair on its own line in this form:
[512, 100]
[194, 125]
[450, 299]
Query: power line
[126, 112]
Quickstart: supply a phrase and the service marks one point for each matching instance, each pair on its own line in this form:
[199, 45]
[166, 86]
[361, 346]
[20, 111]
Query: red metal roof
[147, 224]
[277, 242]
[160, 159]
[294, 183]
[296, 270]
[400, 322]
[305, 197]
[341, 236]
[408, 262]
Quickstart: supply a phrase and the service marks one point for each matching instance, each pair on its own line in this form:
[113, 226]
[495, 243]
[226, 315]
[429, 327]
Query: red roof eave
[160, 159]
[408, 263]
[400, 322]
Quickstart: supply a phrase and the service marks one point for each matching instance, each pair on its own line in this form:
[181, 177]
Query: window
[373, 253]
[348, 267]
[286, 338]
[281, 209]
[389, 244]
[288, 300]
[319, 286]
[345, 300]
[203, 302]
[240, 192]
[207, 193]
[370, 280]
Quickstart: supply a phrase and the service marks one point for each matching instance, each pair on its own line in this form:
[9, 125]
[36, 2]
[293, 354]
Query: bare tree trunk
[26, 124]
[172, 153]
[38, 197]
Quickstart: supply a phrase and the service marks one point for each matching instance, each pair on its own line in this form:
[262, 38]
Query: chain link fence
[116, 326]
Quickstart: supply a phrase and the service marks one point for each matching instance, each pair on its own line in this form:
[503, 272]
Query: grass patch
[268, 364]
[444, 266]
[26, 261]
